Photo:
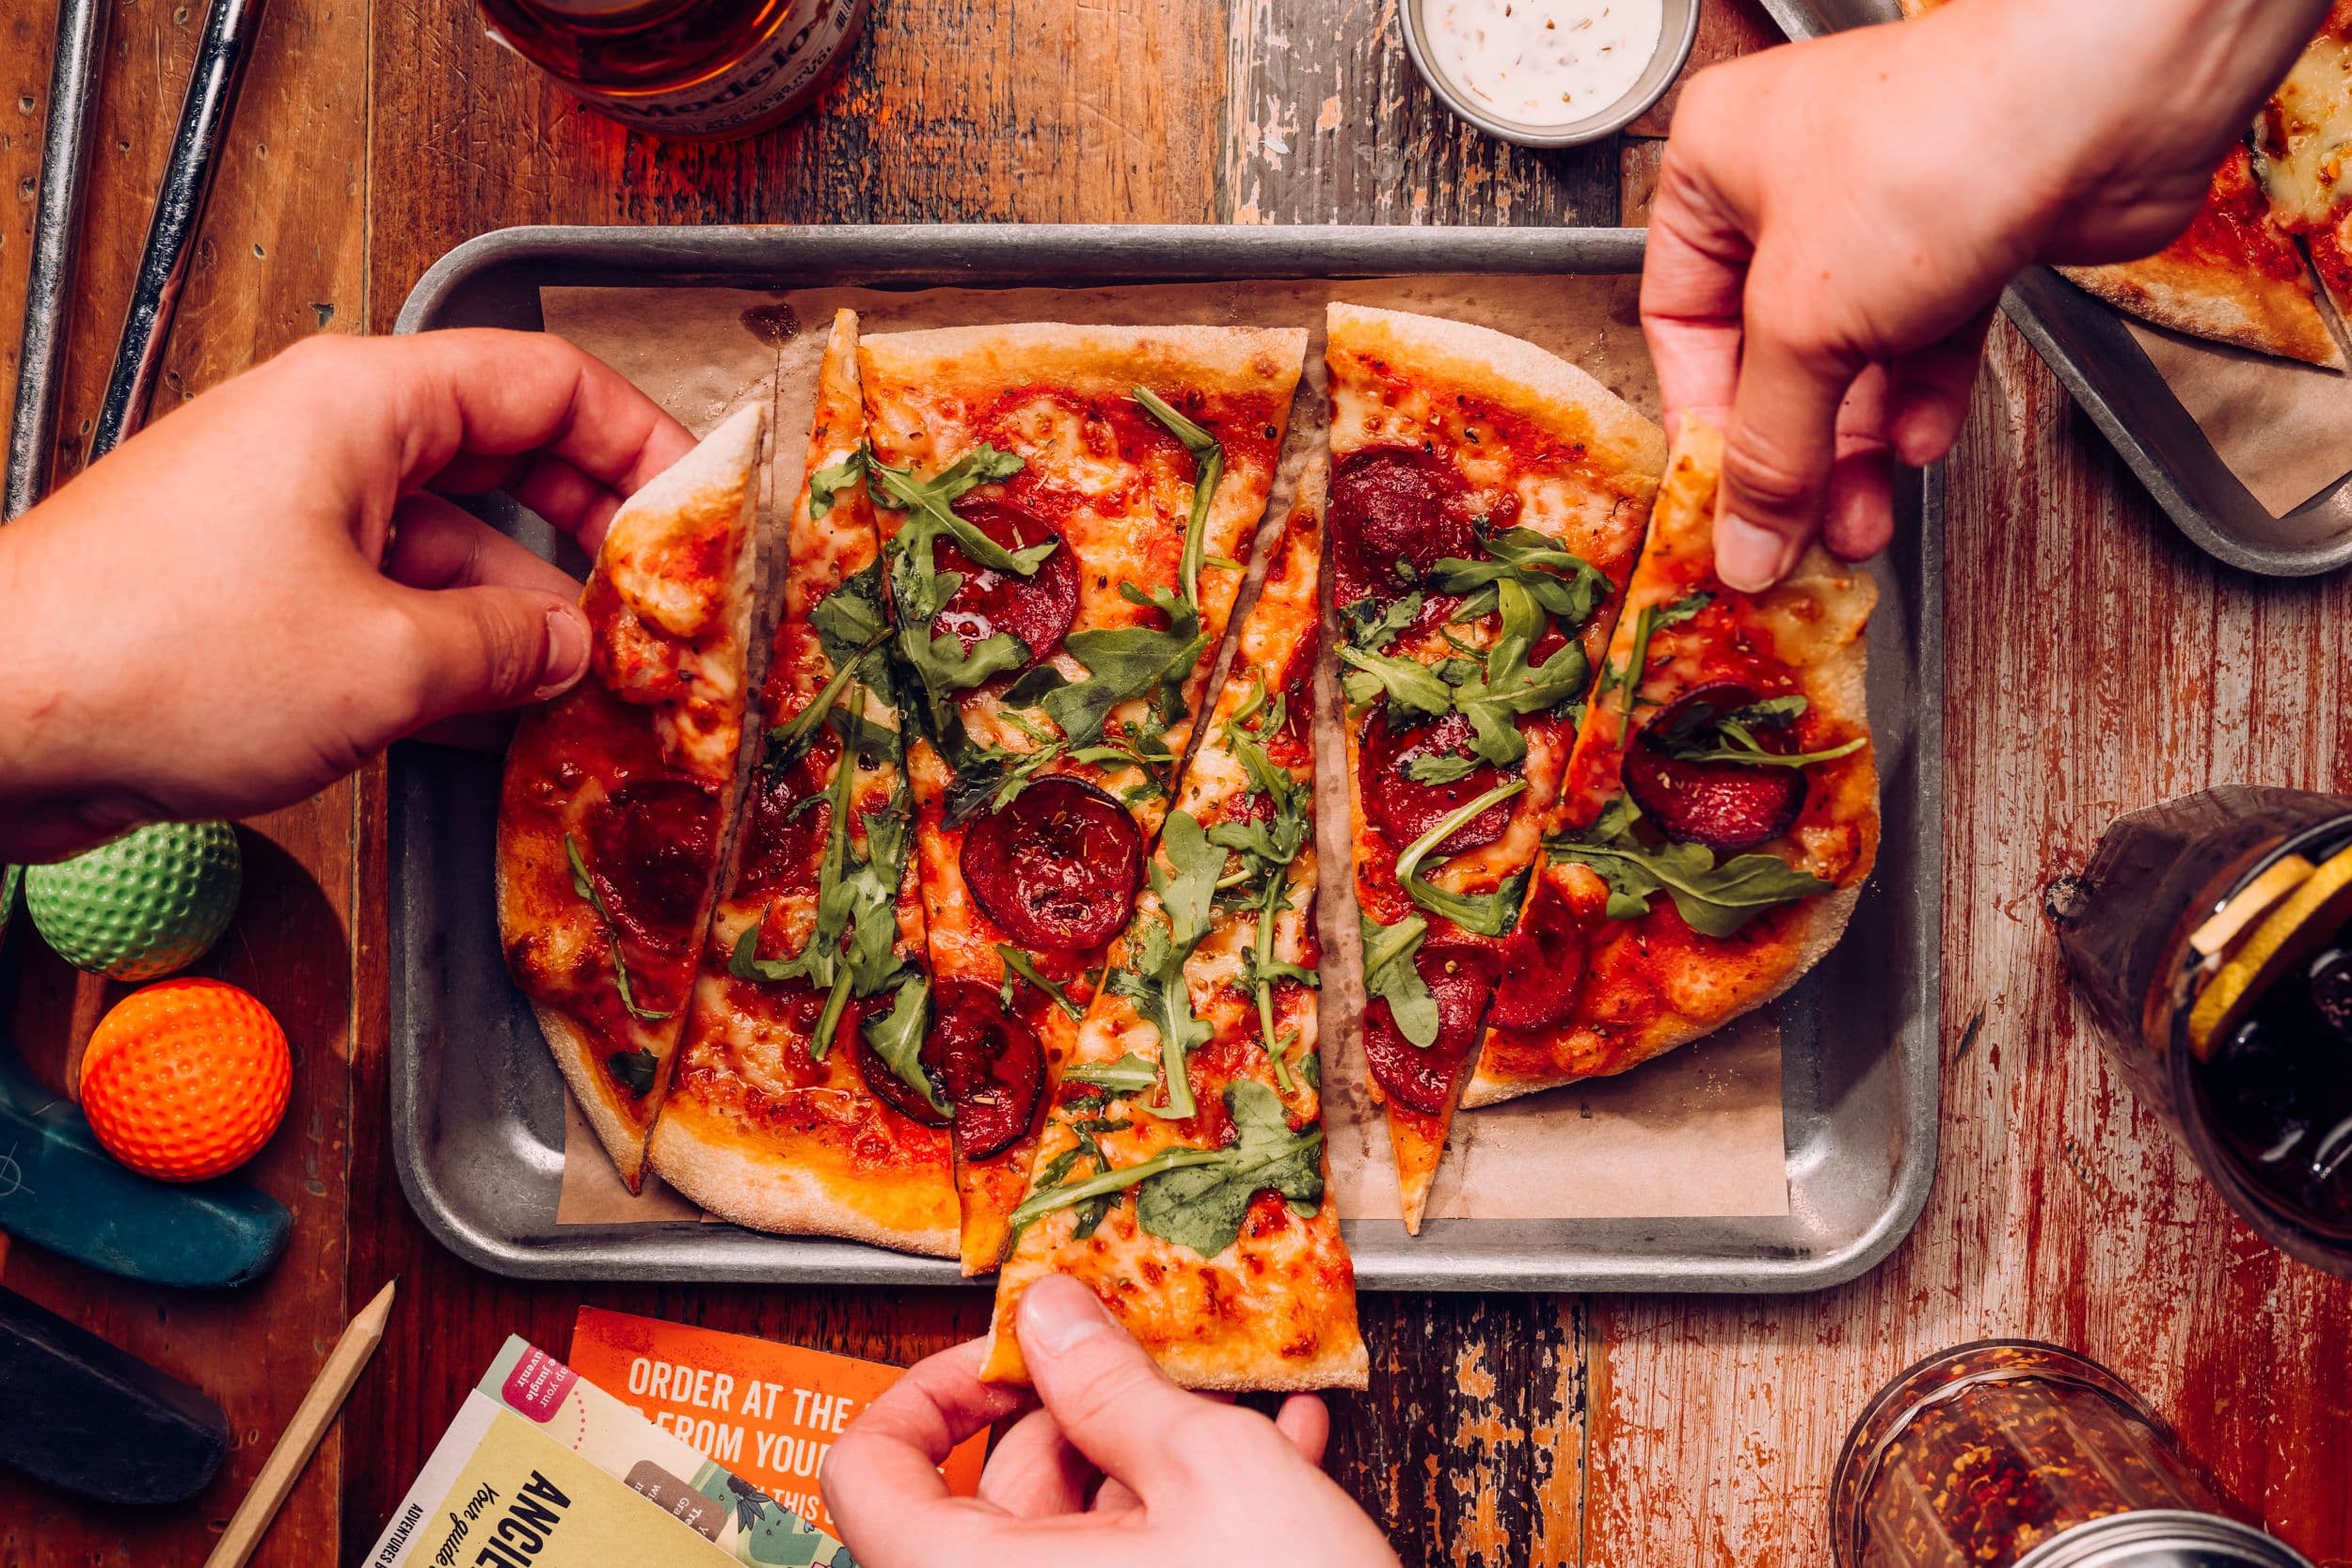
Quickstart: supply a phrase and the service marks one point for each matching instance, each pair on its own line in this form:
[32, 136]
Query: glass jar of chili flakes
[2007, 1453]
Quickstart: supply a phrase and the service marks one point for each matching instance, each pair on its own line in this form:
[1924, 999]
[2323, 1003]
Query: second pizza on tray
[1002, 942]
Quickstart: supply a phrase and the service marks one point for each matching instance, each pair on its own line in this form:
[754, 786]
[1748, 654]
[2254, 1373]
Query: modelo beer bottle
[699, 70]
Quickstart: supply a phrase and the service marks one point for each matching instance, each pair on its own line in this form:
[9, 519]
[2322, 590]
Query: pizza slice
[1059, 507]
[1181, 1175]
[796, 1105]
[614, 805]
[2236, 276]
[2301, 143]
[1718, 817]
[1487, 501]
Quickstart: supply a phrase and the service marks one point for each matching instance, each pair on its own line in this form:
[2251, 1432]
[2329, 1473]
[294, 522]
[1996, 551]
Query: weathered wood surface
[1501, 1430]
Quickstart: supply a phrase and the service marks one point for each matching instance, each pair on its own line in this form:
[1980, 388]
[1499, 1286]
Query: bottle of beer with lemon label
[692, 70]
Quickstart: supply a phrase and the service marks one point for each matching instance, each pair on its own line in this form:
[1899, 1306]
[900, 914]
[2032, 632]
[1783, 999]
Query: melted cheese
[2309, 135]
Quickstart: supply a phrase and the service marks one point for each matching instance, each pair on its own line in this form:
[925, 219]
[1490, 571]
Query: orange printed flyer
[767, 1411]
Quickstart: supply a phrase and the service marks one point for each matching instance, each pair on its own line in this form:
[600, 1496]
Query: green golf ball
[9, 875]
[152, 902]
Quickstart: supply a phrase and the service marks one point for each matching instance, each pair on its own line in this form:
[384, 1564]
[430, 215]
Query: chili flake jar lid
[2164, 1539]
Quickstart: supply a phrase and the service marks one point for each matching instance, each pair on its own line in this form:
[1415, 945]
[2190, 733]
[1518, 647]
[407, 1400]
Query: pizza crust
[721, 1166]
[2267, 315]
[961, 361]
[1508, 372]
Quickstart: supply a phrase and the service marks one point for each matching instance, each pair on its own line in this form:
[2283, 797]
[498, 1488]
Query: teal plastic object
[60, 1190]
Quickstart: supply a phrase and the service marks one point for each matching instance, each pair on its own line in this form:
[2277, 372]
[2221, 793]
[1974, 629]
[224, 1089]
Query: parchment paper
[1696, 1133]
[2282, 427]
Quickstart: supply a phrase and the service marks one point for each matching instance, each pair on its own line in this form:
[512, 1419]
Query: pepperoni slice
[989, 1065]
[1037, 608]
[895, 1091]
[1543, 966]
[654, 845]
[1727, 806]
[1404, 807]
[1395, 504]
[1461, 979]
[1058, 867]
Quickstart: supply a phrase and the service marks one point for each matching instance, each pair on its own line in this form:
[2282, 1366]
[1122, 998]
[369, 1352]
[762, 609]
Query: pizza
[797, 1104]
[613, 809]
[1181, 1175]
[1061, 508]
[1488, 503]
[2234, 277]
[1719, 814]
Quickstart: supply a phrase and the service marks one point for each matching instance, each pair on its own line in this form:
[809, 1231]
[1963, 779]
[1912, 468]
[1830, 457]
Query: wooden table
[2097, 663]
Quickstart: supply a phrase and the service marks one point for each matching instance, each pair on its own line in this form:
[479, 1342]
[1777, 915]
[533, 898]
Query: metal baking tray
[2102, 365]
[477, 1105]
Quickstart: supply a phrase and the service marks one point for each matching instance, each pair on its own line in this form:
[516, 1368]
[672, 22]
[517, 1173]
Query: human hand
[267, 586]
[1120, 1468]
[1836, 220]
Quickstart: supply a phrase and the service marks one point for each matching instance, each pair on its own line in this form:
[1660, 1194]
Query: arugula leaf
[1713, 900]
[1433, 767]
[1202, 1204]
[635, 1068]
[896, 1038]
[919, 590]
[1020, 964]
[1208, 457]
[850, 618]
[1153, 977]
[1650, 620]
[1373, 628]
[1702, 732]
[826, 484]
[585, 886]
[1260, 968]
[1108, 1183]
[1127, 662]
[1505, 688]
[1390, 975]
[1130, 1074]
[1537, 564]
[1409, 686]
[1487, 914]
[1268, 846]
[856, 900]
[786, 740]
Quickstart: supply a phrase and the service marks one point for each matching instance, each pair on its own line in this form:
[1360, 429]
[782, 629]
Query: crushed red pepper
[1975, 1458]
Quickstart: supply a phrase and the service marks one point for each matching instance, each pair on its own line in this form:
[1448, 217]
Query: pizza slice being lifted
[796, 1105]
[1487, 501]
[613, 810]
[1059, 508]
[1181, 1175]
[2301, 143]
[1719, 814]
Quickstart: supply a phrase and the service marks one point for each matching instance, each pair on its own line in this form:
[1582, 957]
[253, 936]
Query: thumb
[486, 647]
[1111, 1401]
[1779, 449]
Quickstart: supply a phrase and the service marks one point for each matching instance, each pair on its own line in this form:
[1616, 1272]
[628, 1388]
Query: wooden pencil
[311, 1418]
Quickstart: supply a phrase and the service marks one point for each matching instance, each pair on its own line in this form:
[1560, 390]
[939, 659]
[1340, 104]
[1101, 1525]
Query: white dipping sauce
[1543, 62]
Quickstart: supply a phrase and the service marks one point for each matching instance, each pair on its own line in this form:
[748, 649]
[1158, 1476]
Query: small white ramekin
[1681, 26]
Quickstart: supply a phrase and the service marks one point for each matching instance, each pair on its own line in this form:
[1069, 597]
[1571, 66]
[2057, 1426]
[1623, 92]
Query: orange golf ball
[185, 1079]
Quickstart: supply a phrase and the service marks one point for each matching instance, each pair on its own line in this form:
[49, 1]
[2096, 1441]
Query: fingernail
[1057, 1314]
[567, 653]
[1751, 559]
